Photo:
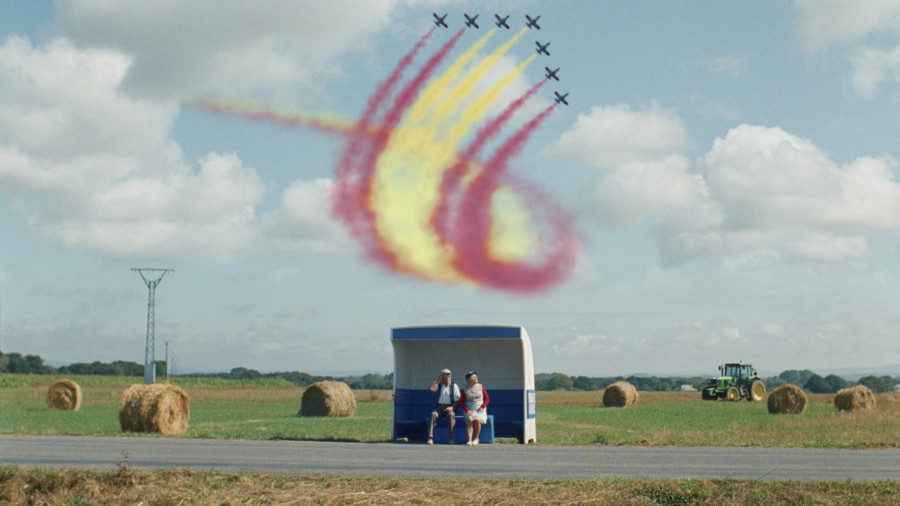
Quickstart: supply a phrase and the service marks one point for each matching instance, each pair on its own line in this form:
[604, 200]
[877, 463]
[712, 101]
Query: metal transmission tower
[151, 279]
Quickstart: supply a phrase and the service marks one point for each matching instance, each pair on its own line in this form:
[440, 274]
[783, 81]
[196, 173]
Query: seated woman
[474, 401]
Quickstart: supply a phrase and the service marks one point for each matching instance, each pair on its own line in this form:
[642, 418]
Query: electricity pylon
[150, 352]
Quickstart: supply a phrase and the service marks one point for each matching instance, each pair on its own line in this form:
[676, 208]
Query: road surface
[506, 461]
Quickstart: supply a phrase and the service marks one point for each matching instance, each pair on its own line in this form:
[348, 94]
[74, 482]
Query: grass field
[256, 410]
[267, 410]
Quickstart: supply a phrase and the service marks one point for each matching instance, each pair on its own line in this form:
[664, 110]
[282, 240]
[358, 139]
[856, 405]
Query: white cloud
[97, 170]
[868, 30]
[827, 23]
[758, 192]
[608, 136]
[237, 47]
[303, 223]
[873, 68]
[716, 108]
[637, 190]
[765, 178]
[732, 66]
[774, 189]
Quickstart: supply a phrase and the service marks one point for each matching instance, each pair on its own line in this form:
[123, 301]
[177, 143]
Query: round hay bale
[155, 408]
[787, 399]
[327, 398]
[620, 394]
[65, 395]
[858, 398]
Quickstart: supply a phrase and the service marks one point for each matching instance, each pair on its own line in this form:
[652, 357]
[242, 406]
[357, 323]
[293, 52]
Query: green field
[267, 410]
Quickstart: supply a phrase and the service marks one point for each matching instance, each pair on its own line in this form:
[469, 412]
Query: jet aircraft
[501, 22]
[471, 21]
[542, 48]
[532, 23]
[551, 74]
[561, 99]
[439, 20]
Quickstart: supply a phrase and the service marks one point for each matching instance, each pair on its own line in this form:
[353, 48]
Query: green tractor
[735, 382]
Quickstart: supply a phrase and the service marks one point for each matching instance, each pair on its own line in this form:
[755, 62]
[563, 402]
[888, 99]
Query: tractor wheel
[757, 391]
[707, 395]
[733, 394]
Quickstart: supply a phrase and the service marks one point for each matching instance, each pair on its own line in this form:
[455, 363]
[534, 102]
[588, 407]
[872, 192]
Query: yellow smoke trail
[513, 235]
[409, 172]
[433, 92]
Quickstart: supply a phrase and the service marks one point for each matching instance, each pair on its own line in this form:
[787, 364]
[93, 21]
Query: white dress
[474, 400]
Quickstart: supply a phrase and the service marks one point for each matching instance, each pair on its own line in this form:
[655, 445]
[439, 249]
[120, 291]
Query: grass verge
[126, 486]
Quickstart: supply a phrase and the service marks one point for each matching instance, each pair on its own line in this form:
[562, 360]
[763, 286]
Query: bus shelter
[500, 354]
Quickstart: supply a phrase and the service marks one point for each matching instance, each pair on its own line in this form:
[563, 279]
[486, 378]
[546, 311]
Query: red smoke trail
[450, 184]
[472, 228]
[352, 204]
[353, 186]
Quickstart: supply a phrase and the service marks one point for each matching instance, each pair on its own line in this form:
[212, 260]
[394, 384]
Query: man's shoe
[429, 442]
[474, 442]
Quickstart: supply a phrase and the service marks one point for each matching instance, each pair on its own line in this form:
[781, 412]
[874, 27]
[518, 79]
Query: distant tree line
[366, 382]
[34, 364]
[805, 379]
[808, 380]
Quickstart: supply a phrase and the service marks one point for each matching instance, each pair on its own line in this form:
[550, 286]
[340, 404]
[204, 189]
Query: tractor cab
[736, 371]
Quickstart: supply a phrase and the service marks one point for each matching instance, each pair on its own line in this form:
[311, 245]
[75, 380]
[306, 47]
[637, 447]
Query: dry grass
[124, 486]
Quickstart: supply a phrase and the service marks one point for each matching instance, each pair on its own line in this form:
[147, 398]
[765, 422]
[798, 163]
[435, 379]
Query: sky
[723, 184]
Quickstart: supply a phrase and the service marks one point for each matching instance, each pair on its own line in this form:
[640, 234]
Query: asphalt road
[420, 461]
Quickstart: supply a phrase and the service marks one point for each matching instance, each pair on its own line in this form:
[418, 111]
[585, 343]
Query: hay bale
[787, 399]
[155, 408]
[858, 398]
[327, 398]
[65, 395]
[620, 394]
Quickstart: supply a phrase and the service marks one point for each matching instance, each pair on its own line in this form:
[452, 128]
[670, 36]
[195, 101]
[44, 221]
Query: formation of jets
[530, 22]
[501, 22]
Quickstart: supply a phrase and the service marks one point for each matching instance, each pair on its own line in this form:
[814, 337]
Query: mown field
[268, 409]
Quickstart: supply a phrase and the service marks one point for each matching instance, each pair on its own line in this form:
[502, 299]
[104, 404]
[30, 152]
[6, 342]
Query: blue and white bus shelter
[501, 355]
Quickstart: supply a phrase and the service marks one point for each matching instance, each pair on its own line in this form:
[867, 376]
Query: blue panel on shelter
[457, 332]
[413, 407]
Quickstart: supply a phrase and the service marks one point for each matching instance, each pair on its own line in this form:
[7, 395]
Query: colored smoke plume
[415, 188]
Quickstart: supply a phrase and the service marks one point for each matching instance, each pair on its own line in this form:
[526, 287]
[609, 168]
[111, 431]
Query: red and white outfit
[472, 398]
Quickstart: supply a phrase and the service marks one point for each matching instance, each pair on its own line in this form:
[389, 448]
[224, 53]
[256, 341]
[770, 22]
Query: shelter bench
[413, 412]
[441, 435]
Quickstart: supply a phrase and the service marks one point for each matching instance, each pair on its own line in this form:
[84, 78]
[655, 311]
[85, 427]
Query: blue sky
[732, 168]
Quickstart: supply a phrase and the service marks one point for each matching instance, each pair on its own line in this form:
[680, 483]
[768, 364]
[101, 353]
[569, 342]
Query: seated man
[446, 396]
